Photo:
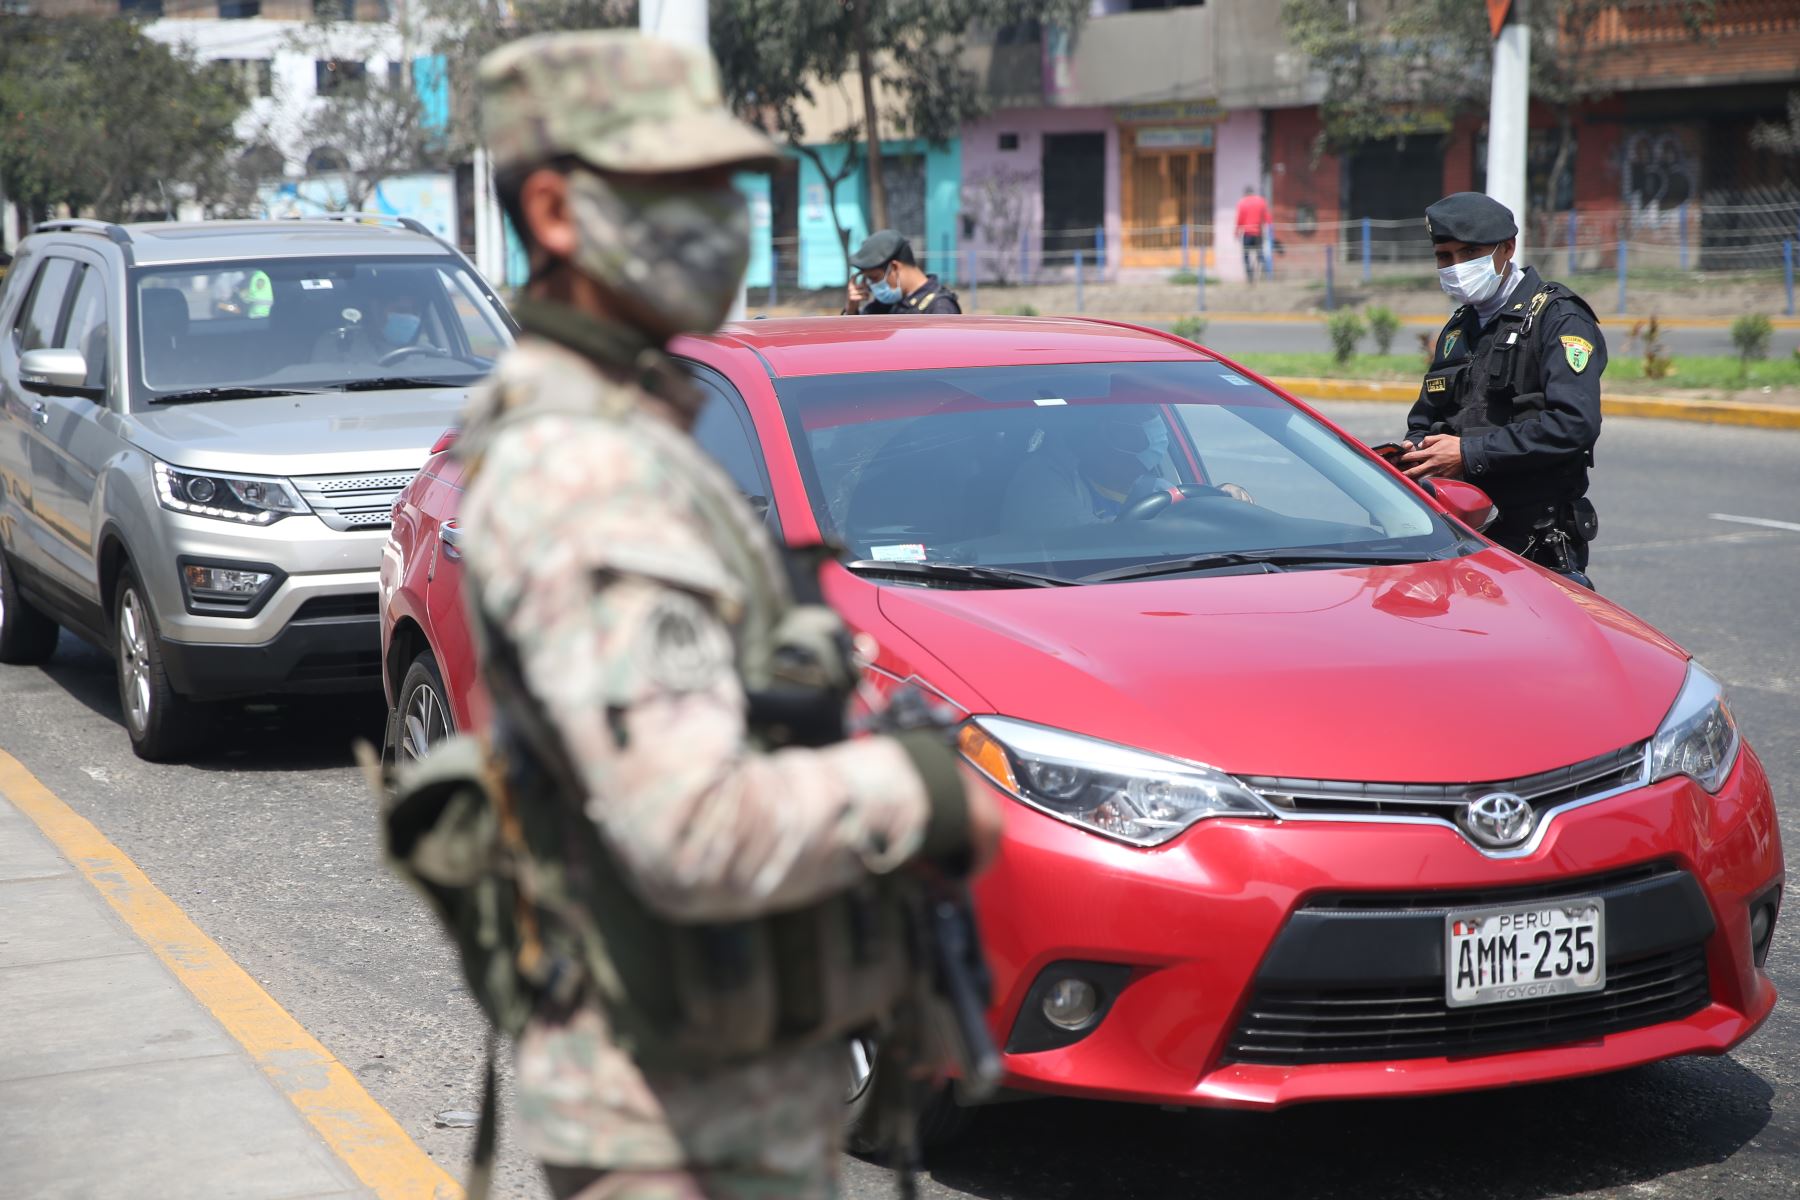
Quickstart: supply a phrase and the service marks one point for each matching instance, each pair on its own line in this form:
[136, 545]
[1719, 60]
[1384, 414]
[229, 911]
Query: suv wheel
[27, 636]
[422, 718]
[162, 723]
[941, 1120]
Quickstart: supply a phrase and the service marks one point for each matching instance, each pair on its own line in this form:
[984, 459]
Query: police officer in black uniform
[1511, 401]
[888, 280]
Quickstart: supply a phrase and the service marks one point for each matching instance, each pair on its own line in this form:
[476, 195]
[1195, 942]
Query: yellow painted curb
[1711, 412]
[1415, 320]
[359, 1131]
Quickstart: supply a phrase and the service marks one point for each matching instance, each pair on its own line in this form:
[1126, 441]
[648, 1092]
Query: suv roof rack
[411, 224]
[113, 232]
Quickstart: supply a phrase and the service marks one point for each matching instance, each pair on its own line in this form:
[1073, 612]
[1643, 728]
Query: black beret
[1470, 217]
[877, 250]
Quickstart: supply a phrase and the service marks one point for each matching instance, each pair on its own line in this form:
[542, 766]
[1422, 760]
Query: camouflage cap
[619, 100]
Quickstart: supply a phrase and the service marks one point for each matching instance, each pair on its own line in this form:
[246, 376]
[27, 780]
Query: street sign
[1497, 10]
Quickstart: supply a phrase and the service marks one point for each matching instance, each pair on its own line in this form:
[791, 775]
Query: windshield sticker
[1234, 380]
[904, 552]
[1046, 401]
[315, 285]
[352, 315]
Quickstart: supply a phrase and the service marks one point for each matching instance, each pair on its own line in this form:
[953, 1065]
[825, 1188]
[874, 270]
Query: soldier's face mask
[678, 251]
[883, 291]
[1471, 282]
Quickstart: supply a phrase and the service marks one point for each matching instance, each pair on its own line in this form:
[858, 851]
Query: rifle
[947, 1025]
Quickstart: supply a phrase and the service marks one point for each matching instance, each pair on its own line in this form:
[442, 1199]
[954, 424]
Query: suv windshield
[304, 324]
[1076, 471]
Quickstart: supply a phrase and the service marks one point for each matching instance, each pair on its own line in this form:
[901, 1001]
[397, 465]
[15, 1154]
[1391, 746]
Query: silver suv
[203, 427]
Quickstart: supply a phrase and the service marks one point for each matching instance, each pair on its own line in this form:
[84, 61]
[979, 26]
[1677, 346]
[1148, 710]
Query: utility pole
[684, 21]
[1509, 109]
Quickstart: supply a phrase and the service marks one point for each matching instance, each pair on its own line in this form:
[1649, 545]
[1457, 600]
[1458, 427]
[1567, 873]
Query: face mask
[884, 292]
[1157, 435]
[1470, 282]
[678, 253]
[400, 328]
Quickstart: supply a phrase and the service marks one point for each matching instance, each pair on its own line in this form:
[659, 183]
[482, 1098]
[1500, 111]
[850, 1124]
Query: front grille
[1439, 903]
[356, 604]
[1546, 790]
[354, 501]
[337, 668]
[1296, 1028]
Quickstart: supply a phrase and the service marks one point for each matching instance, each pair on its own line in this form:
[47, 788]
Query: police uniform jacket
[930, 297]
[1523, 393]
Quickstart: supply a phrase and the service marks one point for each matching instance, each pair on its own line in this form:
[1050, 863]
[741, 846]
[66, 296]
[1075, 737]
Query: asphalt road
[268, 843]
[1262, 337]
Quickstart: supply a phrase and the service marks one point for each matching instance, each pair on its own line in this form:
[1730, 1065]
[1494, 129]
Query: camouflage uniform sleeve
[580, 548]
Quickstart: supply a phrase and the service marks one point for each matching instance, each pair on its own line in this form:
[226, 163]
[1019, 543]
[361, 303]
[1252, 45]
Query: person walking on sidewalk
[1252, 215]
[1511, 400]
[888, 280]
[684, 867]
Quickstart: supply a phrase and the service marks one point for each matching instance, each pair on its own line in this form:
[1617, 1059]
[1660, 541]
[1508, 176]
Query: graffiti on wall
[1658, 173]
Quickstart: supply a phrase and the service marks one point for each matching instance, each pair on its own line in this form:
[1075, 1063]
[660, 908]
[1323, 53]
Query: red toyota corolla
[1315, 793]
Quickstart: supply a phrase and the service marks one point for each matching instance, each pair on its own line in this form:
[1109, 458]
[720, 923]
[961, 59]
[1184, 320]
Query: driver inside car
[1097, 474]
[368, 338]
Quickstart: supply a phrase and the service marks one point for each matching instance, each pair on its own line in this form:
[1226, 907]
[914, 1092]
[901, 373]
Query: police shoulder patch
[1577, 350]
[682, 647]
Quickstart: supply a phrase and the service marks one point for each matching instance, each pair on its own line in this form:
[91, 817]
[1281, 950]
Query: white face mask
[1471, 282]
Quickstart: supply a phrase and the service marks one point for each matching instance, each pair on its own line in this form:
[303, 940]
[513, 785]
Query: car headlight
[1698, 738]
[252, 499]
[1132, 795]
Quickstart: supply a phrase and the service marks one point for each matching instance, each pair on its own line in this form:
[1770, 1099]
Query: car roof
[801, 346]
[161, 242]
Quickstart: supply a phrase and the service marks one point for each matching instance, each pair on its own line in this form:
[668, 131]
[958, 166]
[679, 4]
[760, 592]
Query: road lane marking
[1765, 522]
[357, 1129]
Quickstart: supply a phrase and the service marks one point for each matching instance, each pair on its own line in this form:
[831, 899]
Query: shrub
[1345, 330]
[1383, 325]
[1191, 328]
[1750, 334]
[1021, 310]
[1184, 279]
[1657, 363]
[1427, 348]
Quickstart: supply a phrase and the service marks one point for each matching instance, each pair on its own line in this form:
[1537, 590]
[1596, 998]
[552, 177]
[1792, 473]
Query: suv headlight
[251, 499]
[1698, 738]
[1132, 795]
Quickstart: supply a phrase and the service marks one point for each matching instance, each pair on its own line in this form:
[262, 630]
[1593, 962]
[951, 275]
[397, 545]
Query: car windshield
[1081, 470]
[219, 330]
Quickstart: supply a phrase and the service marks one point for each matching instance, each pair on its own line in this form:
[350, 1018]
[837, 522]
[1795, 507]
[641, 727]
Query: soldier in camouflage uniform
[596, 548]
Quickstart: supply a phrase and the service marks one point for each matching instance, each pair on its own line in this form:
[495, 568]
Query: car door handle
[450, 534]
[40, 412]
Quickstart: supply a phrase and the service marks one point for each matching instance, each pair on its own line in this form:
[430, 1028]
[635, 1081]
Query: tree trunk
[831, 184]
[878, 218]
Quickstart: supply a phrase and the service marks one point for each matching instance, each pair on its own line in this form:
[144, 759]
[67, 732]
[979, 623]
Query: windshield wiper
[230, 393]
[956, 572]
[1274, 559]
[384, 383]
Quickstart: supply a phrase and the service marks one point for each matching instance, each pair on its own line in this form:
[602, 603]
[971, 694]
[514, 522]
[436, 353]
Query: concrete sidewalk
[114, 1080]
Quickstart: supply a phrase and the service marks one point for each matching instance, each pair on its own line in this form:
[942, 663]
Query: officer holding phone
[887, 279]
[1511, 401]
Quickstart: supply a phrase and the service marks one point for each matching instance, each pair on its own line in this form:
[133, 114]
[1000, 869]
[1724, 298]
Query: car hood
[329, 433]
[1480, 668]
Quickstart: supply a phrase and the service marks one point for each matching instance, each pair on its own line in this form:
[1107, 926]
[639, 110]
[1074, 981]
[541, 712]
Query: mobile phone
[1390, 451]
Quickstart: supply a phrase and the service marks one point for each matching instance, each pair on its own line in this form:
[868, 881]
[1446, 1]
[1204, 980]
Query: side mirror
[55, 373]
[1467, 502]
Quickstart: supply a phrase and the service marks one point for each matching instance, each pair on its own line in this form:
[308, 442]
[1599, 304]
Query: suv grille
[354, 501]
[1293, 1028]
[1546, 790]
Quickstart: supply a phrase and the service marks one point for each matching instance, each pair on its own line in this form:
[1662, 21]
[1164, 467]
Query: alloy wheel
[424, 722]
[134, 660]
[862, 1067]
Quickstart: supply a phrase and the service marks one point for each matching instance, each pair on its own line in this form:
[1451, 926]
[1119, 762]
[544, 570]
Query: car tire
[27, 636]
[422, 716]
[941, 1120]
[162, 723]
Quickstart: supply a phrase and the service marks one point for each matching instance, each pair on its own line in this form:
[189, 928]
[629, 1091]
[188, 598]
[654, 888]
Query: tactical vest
[1486, 379]
[495, 835]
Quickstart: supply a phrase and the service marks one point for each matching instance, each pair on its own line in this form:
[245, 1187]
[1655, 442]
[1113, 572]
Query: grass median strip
[356, 1128]
[1710, 372]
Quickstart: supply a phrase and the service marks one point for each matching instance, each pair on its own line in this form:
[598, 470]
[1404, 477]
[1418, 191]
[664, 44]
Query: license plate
[1524, 952]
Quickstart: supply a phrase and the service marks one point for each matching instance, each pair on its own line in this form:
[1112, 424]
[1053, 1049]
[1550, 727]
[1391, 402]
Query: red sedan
[1316, 793]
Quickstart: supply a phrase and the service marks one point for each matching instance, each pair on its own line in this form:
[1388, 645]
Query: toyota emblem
[1498, 819]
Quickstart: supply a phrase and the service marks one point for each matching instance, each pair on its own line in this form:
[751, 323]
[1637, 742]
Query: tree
[376, 129]
[1780, 138]
[776, 55]
[97, 116]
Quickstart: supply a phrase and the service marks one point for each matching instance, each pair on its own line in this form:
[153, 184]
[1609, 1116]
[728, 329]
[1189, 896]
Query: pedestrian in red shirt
[1252, 215]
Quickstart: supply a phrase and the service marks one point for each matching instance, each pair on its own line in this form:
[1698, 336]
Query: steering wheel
[1153, 504]
[394, 356]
